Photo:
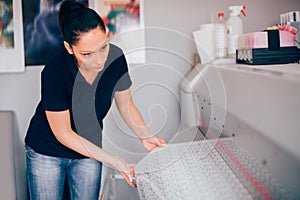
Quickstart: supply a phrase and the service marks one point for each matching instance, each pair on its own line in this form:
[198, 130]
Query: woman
[77, 87]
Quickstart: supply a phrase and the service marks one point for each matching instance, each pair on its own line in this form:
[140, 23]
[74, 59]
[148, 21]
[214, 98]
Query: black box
[264, 56]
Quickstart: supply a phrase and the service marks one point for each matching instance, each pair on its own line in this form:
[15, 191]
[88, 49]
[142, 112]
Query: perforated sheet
[210, 169]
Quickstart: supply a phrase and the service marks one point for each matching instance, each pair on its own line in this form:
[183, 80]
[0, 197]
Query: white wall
[186, 16]
[20, 93]
[169, 56]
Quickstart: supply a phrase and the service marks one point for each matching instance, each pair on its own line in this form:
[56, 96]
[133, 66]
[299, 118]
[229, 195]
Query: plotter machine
[240, 138]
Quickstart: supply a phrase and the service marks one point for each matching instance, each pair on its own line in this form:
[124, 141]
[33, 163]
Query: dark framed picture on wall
[42, 38]
[11, 36]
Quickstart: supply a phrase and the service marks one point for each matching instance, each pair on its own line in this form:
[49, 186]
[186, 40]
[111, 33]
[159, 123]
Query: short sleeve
[124, 81]
[54, 95]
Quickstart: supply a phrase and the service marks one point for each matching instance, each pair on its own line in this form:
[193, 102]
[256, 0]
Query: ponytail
[75, 18]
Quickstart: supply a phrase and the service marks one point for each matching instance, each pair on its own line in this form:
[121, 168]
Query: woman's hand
[125, 169]
[152, 142]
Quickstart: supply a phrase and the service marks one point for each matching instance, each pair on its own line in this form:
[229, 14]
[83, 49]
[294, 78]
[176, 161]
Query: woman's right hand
[125, 169]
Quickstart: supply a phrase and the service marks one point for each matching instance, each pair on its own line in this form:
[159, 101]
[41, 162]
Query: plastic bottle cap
[220, 15]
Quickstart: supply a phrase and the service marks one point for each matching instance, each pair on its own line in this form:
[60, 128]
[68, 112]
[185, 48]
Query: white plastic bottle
[235, 28]
[221, 37]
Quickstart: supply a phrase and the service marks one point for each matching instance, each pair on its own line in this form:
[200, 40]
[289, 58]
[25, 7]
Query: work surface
[209, 169]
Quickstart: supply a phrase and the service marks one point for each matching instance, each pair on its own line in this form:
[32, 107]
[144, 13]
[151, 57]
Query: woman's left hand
[152, 142]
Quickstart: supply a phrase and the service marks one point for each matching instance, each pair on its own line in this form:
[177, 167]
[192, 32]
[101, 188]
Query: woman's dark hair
[75, 18]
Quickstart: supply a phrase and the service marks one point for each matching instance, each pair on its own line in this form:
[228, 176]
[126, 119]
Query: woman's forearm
[61, 128]
[130, 114]
[134, 120]
[84, 147]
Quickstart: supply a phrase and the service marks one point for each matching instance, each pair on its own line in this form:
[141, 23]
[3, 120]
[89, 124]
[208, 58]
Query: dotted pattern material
[208, 169]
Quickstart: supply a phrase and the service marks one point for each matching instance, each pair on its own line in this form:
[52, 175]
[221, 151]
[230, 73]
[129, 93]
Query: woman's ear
[68, 47]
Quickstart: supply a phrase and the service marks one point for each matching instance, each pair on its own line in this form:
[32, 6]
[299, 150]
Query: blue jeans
[46, 177]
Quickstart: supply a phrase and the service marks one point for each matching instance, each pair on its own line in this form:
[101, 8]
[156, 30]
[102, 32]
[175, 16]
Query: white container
[221, 37]
[235, 29]
[204, 40]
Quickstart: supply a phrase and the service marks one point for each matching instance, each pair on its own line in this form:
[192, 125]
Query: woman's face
[91, 50]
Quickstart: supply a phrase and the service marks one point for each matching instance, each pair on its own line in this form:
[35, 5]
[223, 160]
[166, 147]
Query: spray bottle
[235, 28]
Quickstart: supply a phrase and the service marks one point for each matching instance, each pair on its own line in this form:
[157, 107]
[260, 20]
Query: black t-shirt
[64, 88]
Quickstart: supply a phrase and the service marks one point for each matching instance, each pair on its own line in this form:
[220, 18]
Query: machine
[239, 138]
